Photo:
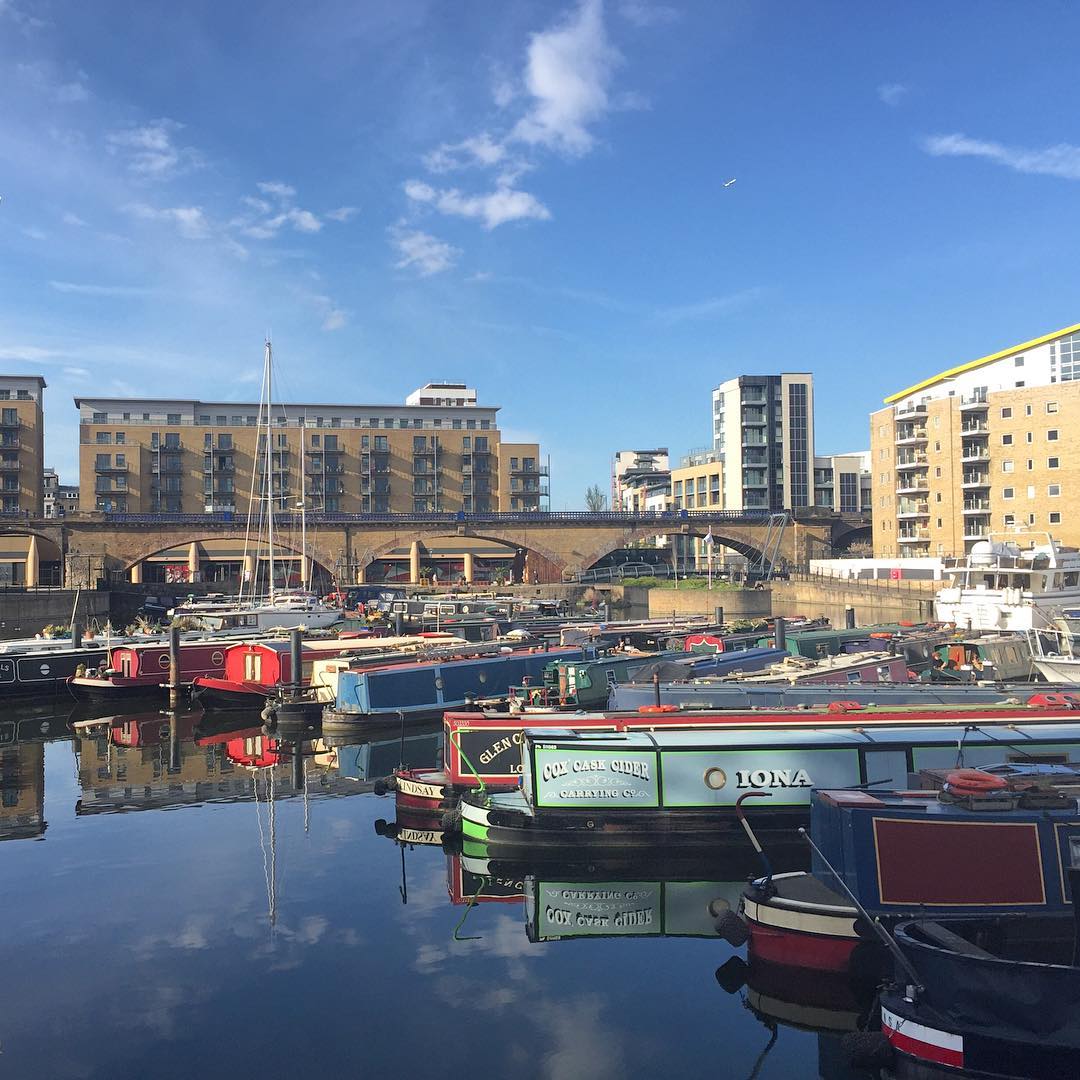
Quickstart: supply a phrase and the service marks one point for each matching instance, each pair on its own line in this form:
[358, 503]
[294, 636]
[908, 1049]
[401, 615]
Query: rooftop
[972, 364]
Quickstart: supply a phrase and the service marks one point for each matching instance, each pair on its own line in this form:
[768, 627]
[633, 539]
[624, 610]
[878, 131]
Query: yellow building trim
[972, 364]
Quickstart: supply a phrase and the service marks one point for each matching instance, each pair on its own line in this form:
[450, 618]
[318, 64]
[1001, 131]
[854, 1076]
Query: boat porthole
[715, 778]
[163, 660]
[45, 669]
[590, 824]
[217, 658]
[719, 906]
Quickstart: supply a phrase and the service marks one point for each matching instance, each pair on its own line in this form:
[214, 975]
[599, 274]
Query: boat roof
[767, 735]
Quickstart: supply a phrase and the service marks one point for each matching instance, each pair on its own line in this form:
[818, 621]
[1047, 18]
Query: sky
[533, 197]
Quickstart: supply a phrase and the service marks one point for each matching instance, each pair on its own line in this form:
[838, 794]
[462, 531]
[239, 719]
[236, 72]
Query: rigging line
[262, 840]
[251, 498]
[273, 851]
[1001, 742]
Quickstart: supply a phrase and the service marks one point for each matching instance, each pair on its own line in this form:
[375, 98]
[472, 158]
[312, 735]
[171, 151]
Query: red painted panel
[958, 862]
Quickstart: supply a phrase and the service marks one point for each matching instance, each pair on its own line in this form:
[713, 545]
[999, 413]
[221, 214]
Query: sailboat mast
[303, 510]
[268, 379]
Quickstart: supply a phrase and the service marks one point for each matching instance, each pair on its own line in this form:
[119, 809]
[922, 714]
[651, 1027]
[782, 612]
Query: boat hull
[213, 694]
[112, 691]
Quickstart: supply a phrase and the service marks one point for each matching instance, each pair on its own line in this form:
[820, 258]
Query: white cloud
[190, 221]
[715, 307]
[28, 354]
[504, 90]
[479, 149]
[892, 93]
[422, 252]
[644, 14]
[276, 188]
[342, 213]
[150, 150]
[31, 232]
[567, 74]
[81, 289]
[43, 78]
[492, 209]
[1062, 160]
[76, 372]
[335, 320]
[68, 218]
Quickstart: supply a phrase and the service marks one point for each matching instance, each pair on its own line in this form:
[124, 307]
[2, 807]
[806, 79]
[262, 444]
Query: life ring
[974, 782]
[659, 708]
[881, 634]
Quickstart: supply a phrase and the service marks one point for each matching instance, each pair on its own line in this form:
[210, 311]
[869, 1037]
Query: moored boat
[680, 787]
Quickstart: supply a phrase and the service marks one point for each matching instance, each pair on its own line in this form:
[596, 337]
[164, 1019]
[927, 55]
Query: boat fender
[732, 974]
[867, 1049]
[384, 784]
[732, 929]
[844, 706]
[451, 821]
[973, 782]
[658, 708]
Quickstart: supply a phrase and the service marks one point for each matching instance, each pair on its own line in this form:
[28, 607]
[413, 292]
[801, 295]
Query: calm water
[182, 914]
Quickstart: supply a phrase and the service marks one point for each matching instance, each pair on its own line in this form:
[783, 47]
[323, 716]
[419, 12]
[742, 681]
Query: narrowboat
[989, 657]
[483, 749]
[587, 683]
[253, 670]
[132, 672]
[703, 694]
[44, 667]
[900, 853]
[984, 997]
[679, 787]
[469, 880]
[427, 688]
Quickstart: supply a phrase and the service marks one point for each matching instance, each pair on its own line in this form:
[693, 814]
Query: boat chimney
[296, 662]
[849, 617]
[780, 632]
[174, 666]
[76, 636]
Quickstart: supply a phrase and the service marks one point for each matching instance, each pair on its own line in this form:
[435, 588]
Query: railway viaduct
[92, 545]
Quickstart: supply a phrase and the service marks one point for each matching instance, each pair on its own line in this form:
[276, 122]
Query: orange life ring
[974, 782]
[881, 634]
[659, 708]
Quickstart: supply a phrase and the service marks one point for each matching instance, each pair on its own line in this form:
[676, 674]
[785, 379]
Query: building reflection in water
[22, 773]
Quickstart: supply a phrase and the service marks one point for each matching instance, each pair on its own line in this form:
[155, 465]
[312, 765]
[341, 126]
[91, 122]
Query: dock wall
[24, 613]
[874, 601]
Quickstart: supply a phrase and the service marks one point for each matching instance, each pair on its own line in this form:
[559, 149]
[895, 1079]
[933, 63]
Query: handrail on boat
[452, 737]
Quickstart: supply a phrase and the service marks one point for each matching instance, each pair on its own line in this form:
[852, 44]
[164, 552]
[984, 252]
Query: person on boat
[80, 671]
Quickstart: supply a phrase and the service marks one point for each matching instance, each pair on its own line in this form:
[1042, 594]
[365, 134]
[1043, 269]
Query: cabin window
[1046, 758]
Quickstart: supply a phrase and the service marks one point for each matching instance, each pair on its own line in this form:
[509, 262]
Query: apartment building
[630, 467]
[58, 499]
[22, 444]
[440, 451]
[984, 448]
[763, 429]
[842, 482]
[697, 484]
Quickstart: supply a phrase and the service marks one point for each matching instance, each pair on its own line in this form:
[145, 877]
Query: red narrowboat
[142, 671]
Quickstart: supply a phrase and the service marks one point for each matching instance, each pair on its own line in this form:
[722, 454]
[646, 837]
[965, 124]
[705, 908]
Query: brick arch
[511, 538]
[610, 544]
[320, 557]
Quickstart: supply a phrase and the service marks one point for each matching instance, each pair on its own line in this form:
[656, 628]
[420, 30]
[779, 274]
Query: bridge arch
[697, 531]
[30, 556]
[462, 556]
[221, 559]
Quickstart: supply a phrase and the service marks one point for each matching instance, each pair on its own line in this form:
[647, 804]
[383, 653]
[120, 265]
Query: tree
[595, 499]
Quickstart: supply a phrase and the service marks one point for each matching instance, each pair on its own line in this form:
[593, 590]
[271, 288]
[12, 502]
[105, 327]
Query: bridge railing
[625, 518]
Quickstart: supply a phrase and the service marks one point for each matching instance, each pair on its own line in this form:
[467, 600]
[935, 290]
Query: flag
[709, 537]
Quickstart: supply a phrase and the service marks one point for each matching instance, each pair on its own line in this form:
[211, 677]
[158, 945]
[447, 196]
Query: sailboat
[284, 609]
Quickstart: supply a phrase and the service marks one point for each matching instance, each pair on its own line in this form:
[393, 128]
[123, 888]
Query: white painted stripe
[928, 1035]
[804, 922]
[475, 814]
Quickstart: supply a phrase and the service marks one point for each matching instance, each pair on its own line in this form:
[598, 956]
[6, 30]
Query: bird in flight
[728, 183]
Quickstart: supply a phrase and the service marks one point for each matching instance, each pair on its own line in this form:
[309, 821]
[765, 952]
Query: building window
[937, 496]
[1006, 440]
[1018, 362]
[1051, 406]
[224, 442]
[100, 418]
[119, 438]
[937, 471]
[1006, 466]
[172, 418]
[1029, 437]
[1052, 435]
[104, 437]
[939, 523]
[1007, 493]
[1053, 490]
[1053, 463]
[1009, 519]
[1006, 414]
[1055, 517]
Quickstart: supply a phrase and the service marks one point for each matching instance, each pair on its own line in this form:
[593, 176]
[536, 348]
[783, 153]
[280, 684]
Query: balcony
[907, 411]
[976, 532]
[750, 440]
[909, 485]
[422, 468]
[910, 461]
[165, 447]
[975, 480]
[169, 468]
[913, 510]
[913, 536]
[910, 434]
[976, 506]
[754, 418]
[107, 469]
[975, 427]
[535, 470]
[10, 425]
[9, 466]
[973, 402]
[974, 453]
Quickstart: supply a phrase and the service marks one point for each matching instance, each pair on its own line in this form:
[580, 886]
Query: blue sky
[529, 196]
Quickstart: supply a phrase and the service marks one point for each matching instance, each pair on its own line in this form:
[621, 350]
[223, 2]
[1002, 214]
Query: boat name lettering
[561, 917]
[768, 778]
[553, 769]
[499, 746]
